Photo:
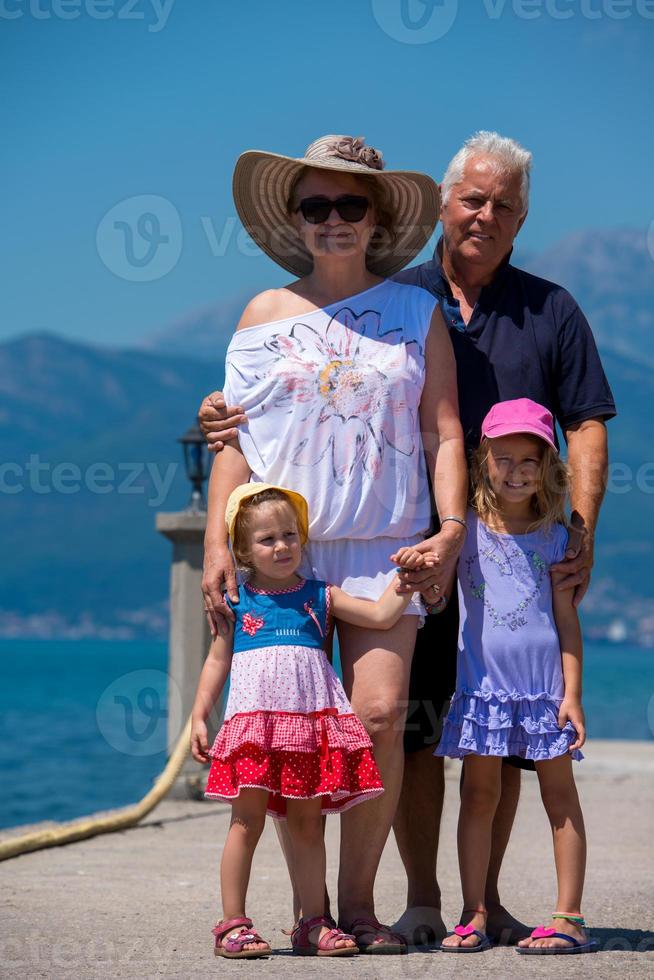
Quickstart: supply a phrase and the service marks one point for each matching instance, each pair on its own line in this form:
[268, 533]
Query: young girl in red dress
[290, 745]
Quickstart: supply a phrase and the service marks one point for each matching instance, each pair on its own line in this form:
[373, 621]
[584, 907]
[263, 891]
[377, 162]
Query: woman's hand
[433, 579]
[218, 421]
[571, 710]
[218, 571]
[199, 743]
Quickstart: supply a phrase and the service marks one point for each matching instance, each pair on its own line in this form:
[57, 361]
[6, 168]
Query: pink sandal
[233, 947]
[326, 946]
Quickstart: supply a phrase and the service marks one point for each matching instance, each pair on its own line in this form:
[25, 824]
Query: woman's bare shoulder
[271, 304]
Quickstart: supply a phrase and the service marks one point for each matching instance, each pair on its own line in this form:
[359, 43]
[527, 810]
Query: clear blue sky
[158, 99]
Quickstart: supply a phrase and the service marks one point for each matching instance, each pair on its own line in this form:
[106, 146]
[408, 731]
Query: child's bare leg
[281, 826]
[559, 794]
[283, 836]
[245, 828]
[501, 924]
[305, 827]
[480, 794]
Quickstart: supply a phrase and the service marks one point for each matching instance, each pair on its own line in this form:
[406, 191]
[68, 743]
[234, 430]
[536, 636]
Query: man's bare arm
[588, 463]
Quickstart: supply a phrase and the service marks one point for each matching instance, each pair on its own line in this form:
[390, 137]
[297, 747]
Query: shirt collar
[439, 283]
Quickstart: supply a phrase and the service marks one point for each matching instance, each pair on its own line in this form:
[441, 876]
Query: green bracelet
[577, 919]
[434, 608]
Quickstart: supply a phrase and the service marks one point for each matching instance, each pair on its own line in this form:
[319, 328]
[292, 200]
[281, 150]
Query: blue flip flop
[540, 932]
[465, 931]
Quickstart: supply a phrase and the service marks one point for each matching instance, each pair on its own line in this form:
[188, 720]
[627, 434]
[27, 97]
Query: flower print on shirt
[251, 624]
[345, 372]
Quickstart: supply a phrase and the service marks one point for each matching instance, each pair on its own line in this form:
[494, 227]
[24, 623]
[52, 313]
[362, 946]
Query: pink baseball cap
[517, 416]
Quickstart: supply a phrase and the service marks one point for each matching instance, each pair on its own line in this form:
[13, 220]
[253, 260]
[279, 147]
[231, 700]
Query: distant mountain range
[89, 433]
[82, 544]
[611, 274]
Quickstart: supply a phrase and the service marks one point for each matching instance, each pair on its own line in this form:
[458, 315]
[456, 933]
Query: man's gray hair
[508, 156]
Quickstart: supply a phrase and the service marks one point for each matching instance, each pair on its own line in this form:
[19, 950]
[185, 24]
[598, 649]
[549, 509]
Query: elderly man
[514, 335]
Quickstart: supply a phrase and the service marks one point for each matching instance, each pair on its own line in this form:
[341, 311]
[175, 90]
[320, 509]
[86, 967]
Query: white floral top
[332, 401]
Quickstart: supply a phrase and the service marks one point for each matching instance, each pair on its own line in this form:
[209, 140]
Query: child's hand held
[413, 567]
[409, 559]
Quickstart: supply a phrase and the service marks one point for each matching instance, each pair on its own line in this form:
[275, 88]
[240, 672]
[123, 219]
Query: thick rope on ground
[74, 830]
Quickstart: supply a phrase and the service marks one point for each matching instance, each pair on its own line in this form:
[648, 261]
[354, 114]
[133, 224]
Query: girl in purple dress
[519, 667]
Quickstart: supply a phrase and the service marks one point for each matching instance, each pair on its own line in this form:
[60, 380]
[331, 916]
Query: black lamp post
[196, 461]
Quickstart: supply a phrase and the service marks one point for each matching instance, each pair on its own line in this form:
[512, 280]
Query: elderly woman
[344, 377]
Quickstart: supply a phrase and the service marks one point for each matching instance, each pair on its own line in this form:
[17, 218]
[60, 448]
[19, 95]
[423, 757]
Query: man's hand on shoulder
[219, 421]
[574, 571]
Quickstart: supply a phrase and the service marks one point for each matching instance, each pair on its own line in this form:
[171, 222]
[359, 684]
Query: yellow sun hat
[247, 490]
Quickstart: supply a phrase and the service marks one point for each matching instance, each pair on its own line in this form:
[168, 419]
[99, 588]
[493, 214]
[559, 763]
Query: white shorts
[359, 566]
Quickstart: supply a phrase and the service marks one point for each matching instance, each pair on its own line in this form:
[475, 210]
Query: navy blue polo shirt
[527, 338]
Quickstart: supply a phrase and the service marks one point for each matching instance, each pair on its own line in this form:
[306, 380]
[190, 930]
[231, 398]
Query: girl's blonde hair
[243, 522]
[549, 500]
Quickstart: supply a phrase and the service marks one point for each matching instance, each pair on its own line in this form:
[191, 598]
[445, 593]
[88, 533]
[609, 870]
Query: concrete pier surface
[142, 902]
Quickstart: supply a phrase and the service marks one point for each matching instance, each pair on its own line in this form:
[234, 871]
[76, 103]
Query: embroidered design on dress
[515, 619]
[250, 624]
[308, 608]
[326, 373]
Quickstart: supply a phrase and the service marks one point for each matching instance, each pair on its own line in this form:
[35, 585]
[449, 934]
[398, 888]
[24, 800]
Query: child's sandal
[326, 946]
[574, 945]
[233, 947]
[463, 932]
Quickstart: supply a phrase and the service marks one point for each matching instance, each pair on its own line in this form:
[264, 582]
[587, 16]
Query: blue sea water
[83, 724]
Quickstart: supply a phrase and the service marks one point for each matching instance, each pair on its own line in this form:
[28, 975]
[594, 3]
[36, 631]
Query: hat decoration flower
[354, 148]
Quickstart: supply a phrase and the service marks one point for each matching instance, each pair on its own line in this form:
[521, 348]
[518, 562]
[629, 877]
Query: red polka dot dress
[289, 727]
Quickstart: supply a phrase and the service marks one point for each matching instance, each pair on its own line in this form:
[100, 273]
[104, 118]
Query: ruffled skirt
[501, 725]
[294, 755]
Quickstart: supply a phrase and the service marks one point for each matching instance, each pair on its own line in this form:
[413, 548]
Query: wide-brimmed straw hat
[262, 183]
[247, 490]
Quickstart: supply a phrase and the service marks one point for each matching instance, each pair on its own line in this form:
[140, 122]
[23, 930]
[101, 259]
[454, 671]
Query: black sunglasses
[350, 208]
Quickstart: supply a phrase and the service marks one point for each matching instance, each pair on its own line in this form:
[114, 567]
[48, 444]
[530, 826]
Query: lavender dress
[509, 672]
